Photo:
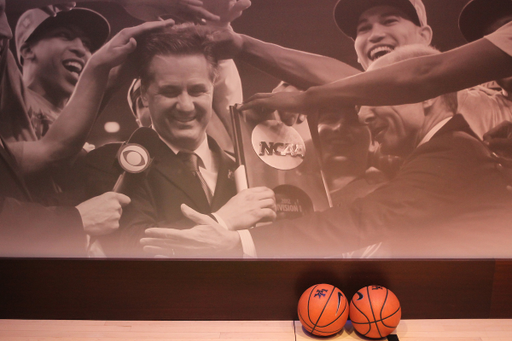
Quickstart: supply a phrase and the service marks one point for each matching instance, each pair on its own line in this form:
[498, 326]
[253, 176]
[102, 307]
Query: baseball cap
[347, 12]
[477, 15]
[95, 26]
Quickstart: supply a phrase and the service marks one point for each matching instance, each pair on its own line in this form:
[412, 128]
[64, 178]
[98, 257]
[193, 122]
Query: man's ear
[426, 34]
[26, 52]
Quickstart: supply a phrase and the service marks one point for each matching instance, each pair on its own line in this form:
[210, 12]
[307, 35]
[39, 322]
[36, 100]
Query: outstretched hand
[207, 239]
[117, 50]
[227, 10]
[288, 118]
[180, 10]
[228, 43]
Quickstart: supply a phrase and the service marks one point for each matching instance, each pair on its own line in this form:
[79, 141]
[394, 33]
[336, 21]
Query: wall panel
[242, 290]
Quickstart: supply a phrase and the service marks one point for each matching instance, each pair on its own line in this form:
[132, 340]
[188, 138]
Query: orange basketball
[375, 311]
[323, 310]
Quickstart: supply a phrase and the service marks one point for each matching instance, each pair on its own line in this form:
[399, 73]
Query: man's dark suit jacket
[158, 194]
[445, 183]
[28, 229]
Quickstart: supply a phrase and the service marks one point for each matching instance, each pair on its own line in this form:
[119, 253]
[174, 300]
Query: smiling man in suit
[177, 80]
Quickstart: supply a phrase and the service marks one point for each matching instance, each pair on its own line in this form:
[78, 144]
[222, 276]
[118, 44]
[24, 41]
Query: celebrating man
[178, 72]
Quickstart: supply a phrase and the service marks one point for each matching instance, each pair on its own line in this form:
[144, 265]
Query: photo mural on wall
[271, 129]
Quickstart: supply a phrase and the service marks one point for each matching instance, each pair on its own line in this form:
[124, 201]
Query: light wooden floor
[408, 330]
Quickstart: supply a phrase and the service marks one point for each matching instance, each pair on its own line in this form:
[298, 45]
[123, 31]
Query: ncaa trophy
[283, 158]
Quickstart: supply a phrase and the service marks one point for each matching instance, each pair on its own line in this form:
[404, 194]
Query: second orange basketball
[375, 311]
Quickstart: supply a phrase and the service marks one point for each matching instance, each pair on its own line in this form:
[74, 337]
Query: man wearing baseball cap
[406, 22]
[379, 26]
[53, 50]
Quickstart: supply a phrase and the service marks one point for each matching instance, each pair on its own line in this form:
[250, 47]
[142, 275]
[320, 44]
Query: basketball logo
[133, 158]
[278, 145]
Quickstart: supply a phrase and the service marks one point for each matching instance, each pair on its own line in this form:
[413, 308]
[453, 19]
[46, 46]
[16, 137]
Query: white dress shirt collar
[434, 130]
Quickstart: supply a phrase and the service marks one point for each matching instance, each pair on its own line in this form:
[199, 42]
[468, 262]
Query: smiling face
[55, 60]
[395, 128]
[179, 97]
[344, 143]
[383, 28]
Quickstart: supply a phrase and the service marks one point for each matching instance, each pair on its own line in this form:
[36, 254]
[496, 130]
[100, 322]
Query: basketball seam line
[362, 313]
[368, 322]
[373, 313]
[381, 309]
[309, 300]
[336, 319]
[320, 316]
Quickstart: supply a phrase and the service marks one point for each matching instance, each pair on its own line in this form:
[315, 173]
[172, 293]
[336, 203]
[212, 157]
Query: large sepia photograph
[231, 129]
